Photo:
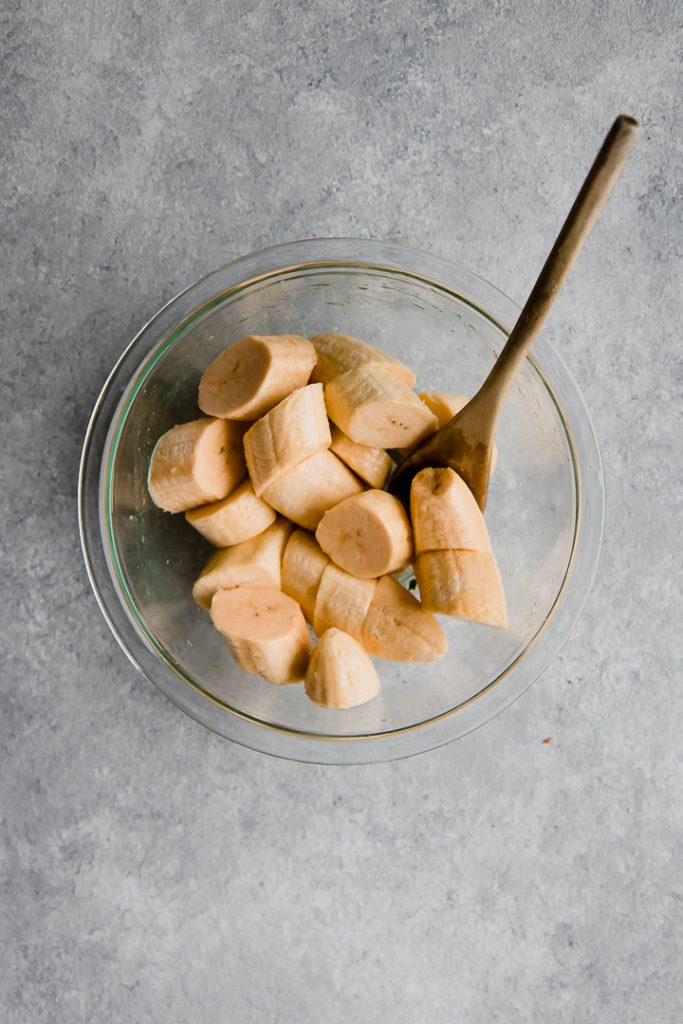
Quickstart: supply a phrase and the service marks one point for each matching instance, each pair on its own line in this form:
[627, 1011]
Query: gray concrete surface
[152, 872]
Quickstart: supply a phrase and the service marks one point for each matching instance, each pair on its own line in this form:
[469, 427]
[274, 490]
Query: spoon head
[454, 446]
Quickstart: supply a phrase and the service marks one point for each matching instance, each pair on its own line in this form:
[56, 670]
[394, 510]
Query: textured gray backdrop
[152, 872]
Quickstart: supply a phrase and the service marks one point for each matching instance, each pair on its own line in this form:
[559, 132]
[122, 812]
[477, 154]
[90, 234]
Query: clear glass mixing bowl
[545, 510]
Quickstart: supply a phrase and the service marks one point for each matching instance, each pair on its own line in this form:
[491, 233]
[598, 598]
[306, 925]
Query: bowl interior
[451, 343]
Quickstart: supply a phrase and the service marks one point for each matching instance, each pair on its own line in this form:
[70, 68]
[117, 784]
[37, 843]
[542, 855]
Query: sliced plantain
[373, 409]
[338, 353]
[396, 627]
[254, 374]
[340, 673]
[195, 463]
[293, 431]
[445, 514]
[342, 601]
[266, 632]
[306, 492]
[464, 584]
[236, 518]
[252, 563]
[303, 565]
[372, 465]
[368, 534]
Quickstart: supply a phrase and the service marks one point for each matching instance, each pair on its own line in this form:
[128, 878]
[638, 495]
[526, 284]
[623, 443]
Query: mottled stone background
[152, 872]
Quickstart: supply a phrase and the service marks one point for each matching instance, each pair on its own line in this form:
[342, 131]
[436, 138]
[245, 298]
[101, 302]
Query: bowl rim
[115, 398]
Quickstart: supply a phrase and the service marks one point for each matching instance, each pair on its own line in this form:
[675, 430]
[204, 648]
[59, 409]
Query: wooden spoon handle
[583, 214]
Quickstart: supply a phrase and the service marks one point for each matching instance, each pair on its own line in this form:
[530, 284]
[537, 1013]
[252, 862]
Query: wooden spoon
[465, 442]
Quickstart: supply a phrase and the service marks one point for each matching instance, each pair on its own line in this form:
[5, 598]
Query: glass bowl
[545, 510]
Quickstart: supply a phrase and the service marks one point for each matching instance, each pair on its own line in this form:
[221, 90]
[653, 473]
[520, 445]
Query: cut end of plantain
[195, 463]
[368, 534]
[254, 374]
[266, 632]
[372, 408]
